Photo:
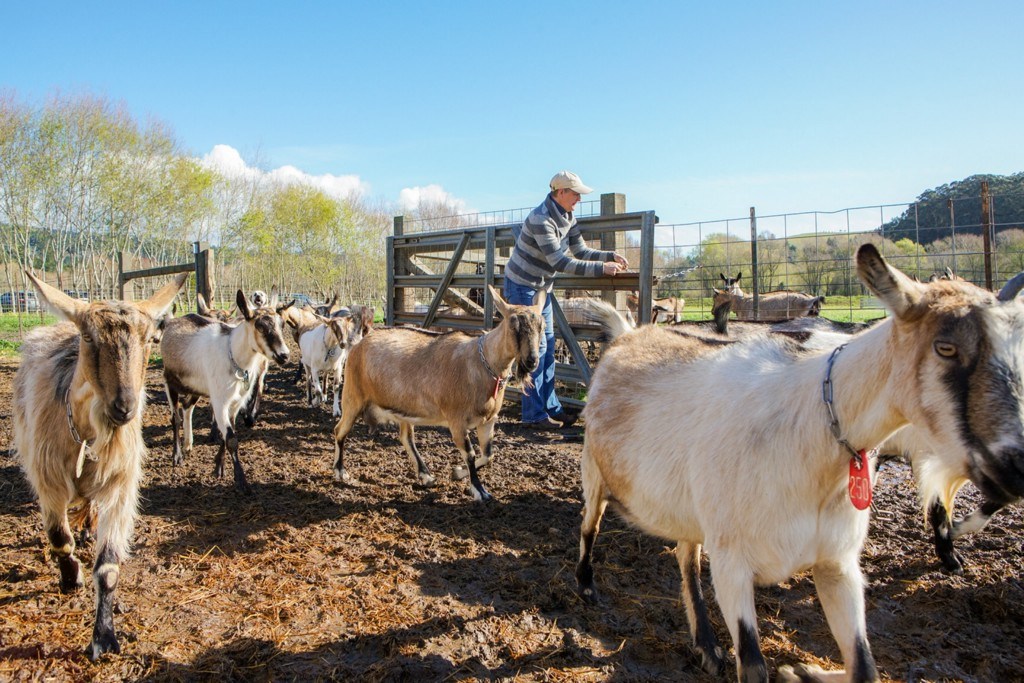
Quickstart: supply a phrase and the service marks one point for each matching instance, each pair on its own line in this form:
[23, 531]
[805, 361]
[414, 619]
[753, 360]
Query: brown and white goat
[775, 494]
[79, 395]
[205, 358]
[666, 310]
[780, 305]
[413, 377]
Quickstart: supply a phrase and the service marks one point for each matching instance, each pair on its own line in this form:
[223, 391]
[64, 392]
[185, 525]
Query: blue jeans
[539, 402]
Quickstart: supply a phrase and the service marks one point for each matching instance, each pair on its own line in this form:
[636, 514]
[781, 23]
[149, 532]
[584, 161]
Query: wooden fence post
[120, 275]
[613, 203]
[398, 300]
[204, 273]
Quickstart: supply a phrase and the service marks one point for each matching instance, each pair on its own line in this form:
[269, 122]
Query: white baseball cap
[567, 180]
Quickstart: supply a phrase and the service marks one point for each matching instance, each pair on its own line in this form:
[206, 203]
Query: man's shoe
[546, 425]
[566, 419]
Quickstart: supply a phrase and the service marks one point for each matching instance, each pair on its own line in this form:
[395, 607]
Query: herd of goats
[784, 490]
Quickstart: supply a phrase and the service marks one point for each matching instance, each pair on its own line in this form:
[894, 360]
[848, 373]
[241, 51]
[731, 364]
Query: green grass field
[11, 334]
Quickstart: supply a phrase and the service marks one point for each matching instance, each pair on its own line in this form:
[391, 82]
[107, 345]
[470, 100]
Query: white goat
[324, 350]
[775, 494]
[414, 377]
[205, 358]
[79, 395]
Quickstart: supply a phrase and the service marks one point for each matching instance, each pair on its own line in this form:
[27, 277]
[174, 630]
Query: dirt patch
[383, 580]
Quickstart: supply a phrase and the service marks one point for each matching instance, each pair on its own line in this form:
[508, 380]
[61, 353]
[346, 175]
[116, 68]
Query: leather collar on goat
[499, 381]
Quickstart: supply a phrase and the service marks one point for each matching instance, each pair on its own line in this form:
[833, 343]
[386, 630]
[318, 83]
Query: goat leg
[177, 456]
[251, 409]
[407, 434]
[594, 505]
[704, 639]
[485, 434]
[106, 572]
[840, 587]
[341, 430]
[62, 547]
[236, 463]
[465, 446]
[938, 517]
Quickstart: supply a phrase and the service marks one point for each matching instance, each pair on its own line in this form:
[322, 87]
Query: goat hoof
[102, 643]
[589, 595]
[342, 477]
[482, 461]
[72, 581]
[427, 480]
[459, 473]
[481, 496]
[954, 563]
[801, 673]
[336, 412]
[712, 662]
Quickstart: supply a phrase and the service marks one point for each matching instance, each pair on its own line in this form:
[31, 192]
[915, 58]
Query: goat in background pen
[79, 395]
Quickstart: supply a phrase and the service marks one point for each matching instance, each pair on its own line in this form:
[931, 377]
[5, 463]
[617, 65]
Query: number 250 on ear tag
[860, 481]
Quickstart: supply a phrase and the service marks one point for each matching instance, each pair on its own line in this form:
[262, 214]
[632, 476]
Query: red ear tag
[860, 481]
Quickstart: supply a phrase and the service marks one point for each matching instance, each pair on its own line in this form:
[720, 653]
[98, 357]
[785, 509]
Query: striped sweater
[540, 250]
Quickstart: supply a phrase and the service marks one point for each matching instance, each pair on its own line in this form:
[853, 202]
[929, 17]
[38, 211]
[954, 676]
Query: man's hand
[621, 260]
[612, 267]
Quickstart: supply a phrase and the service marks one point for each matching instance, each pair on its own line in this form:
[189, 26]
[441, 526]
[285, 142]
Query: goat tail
[613, 324]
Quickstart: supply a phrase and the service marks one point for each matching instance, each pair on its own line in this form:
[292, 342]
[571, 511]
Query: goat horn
[1011, 288]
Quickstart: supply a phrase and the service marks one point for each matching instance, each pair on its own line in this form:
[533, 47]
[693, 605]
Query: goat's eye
[86, 338]
[945, 349]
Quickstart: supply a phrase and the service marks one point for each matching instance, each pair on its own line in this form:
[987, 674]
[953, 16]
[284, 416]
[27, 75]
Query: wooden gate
[435, 261]
[200, 266]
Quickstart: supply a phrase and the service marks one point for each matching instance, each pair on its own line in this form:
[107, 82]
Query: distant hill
[930, 217]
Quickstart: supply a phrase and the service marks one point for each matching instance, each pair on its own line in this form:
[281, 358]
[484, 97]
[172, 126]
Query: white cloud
[226, 160]
[431, 195]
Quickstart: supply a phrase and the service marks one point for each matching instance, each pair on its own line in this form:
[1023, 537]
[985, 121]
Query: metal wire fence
[810, 251]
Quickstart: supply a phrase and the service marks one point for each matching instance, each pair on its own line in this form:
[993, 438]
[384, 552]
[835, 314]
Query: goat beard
[521, 376]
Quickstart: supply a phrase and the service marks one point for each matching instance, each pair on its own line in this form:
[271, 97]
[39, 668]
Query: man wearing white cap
[539, 254]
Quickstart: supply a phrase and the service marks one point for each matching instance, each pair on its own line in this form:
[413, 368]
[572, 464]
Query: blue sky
[695, 110]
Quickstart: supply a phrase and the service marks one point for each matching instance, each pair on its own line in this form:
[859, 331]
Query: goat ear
[332, 335]
[156, 305]
[499, 303]
[540, 299]
[738, 276]
[243, 305]
[722, 275]
[897, 291]
[57, 301]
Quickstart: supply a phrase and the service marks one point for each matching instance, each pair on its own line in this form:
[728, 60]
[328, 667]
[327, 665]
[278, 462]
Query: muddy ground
[382, 580]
